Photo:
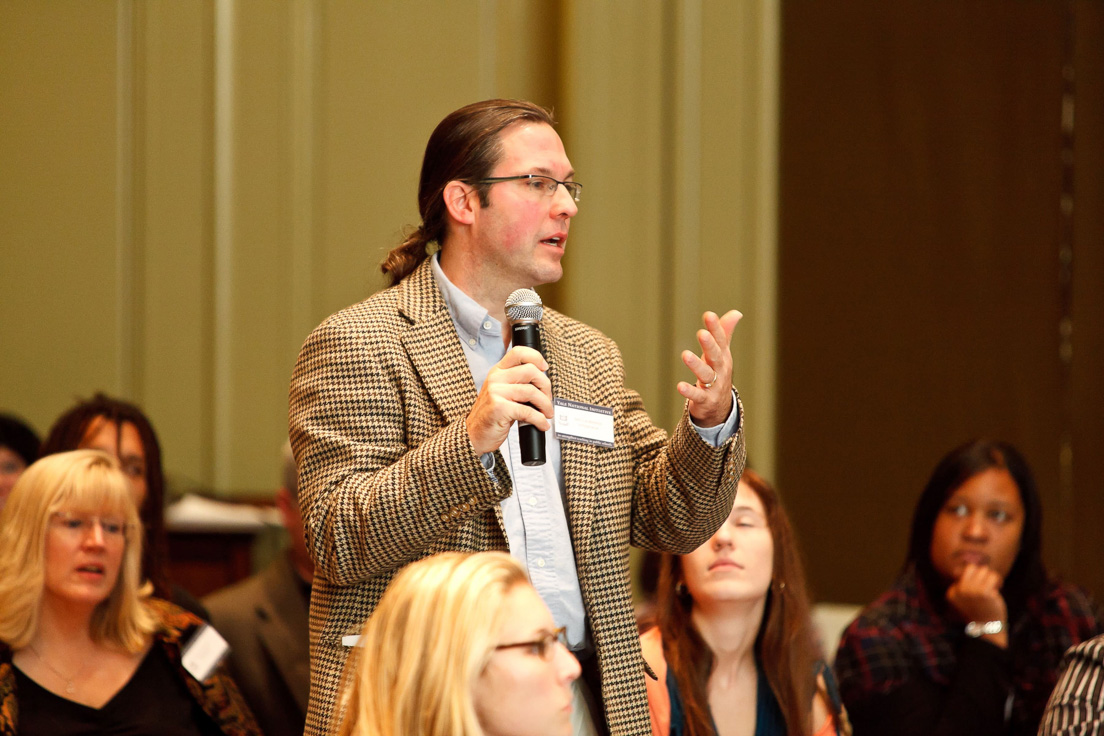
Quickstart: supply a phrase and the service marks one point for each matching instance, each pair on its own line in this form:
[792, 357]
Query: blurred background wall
[905, 200]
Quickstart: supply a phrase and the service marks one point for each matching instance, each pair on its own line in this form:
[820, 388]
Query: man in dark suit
[264, 619]
[404, 412]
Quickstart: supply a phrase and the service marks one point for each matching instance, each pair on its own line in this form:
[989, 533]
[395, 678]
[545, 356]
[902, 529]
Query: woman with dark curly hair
[121, 429]
[969, 638]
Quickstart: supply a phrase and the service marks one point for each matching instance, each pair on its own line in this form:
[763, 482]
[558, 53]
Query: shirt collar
[468, 315]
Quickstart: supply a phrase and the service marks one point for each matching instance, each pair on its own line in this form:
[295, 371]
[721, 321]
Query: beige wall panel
[173, 192]
[390, 72]
[527, 54]
[669, 120]
[59, 302]
[738, 200]
[253, 349]
[613, 117]
[270, 157]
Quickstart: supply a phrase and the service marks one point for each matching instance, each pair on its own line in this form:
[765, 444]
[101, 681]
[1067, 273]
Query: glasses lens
[549, 642]
[67, 521]
[81, 525]
[114, 527]
[546, 645]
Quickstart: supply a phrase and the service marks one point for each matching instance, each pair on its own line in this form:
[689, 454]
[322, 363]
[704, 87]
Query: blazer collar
[432, 344]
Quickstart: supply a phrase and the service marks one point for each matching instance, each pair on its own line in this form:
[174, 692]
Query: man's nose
[563, 203]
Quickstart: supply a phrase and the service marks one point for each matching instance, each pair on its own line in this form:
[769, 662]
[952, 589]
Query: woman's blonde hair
[429, 639]
[81, 481]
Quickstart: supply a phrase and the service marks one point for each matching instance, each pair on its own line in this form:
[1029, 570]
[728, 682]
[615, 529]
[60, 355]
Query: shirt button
[471, 341]
[532, 500]
[487, 325]
[540, 562]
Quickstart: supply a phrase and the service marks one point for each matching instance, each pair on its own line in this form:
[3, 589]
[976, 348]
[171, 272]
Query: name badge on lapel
[203, 652]
[575, 421]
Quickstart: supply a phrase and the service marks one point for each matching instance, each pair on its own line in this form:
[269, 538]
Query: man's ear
[461, 200]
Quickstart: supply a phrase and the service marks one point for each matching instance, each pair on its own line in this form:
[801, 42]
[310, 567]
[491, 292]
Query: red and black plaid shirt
[902, 636]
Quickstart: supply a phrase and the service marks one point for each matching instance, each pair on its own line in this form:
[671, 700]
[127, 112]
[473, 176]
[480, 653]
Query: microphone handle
[530, 438]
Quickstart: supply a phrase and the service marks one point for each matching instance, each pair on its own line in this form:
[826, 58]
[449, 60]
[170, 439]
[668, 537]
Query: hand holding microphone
[516, 388]
[524, 310]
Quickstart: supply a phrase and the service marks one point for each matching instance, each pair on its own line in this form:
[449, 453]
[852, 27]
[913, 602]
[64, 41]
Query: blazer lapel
[567, 371]
[434, 350]
[433, 346]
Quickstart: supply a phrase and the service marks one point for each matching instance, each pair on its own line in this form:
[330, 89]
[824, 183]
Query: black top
[153, 702]
[977, 702]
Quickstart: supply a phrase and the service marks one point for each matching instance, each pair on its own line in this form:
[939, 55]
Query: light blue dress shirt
[534, 514]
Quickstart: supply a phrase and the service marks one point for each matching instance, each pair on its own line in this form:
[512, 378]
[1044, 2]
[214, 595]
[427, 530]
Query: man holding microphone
[405, 411]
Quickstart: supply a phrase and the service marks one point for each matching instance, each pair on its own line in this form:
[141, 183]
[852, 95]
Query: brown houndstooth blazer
[387, 475]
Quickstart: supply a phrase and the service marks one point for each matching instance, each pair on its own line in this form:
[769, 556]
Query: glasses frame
[574, 188]
[124, 531]
[546, 644]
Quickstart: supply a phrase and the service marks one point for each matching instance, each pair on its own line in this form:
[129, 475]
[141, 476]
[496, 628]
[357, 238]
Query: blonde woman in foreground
[460, 645]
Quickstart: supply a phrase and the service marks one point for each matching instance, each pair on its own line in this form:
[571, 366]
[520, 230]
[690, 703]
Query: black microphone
[524, 311]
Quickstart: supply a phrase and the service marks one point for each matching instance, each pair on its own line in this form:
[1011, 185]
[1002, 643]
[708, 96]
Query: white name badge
[578, 422]
[202, 654]
[352, 640]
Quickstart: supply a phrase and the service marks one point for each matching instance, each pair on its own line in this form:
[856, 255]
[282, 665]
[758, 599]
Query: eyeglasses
[78, 525]
[544, 646]
[540, 184]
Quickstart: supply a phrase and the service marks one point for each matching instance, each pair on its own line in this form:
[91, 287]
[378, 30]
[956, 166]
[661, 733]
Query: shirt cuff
[716, 436]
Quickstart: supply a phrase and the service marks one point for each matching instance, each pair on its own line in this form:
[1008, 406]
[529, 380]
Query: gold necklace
[70, 687]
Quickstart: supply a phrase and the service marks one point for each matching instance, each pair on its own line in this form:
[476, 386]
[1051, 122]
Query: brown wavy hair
[786, 648]
[465, 146]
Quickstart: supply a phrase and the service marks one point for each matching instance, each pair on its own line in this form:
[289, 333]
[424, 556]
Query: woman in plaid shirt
[969, 638]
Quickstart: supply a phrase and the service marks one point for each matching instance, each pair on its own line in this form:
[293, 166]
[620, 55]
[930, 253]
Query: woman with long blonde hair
[460, 645]
[83, 648]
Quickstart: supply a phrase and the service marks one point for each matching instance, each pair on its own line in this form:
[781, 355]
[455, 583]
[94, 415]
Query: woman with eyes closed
[83, 648]
[460, 645]
[969, 638]
[734, 649]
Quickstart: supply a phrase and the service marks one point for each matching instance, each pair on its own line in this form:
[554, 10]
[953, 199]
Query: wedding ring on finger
[709, 383]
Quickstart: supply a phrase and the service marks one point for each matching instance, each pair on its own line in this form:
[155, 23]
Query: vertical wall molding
[684, 139]
[488, 48]
[126, 269]
[222, 410]
[765, 366]
[305, 69]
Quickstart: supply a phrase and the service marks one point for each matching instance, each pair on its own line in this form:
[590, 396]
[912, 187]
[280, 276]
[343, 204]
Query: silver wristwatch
[979, 628]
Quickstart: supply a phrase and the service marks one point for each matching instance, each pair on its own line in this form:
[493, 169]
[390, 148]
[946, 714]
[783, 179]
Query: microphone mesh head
[524, 304]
